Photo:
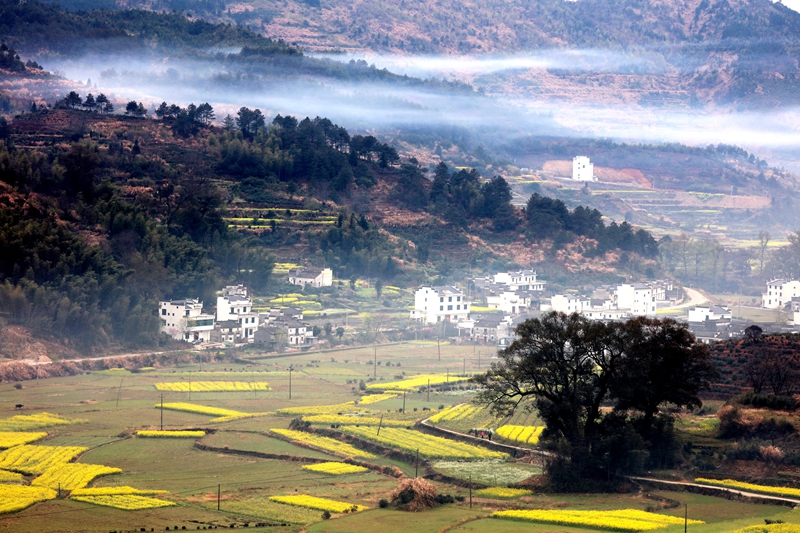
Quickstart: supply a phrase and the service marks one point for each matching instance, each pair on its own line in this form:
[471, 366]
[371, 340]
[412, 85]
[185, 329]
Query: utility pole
[470, 491]
[479, 360]
[685, 517]
[464, 372]
[429, 390]
[162, 411]
[375, 362]
[219, 486]
[404, 401]
[438, 348]
[380, 423]
[416, 465]
[290, 381]
[119, 391]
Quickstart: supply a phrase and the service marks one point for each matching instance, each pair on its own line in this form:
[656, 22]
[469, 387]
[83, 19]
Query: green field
[195, 478]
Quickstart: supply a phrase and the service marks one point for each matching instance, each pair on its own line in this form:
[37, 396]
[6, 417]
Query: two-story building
[637, 297]
[509, 302]
[185, 320]
[438, 304]
[521, 280]
[311, 277]
[780, 292]
[233, 302]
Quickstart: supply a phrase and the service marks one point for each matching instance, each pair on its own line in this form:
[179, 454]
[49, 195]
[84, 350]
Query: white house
[508, 302]
[582, 169]
[311, 276]
[796, 311]
[233, 302]
[780, 292]
[568, 303]
[184, 320]
[437, 304]
[714, 312]
[604, 313]
[638, 297]
[522, 280]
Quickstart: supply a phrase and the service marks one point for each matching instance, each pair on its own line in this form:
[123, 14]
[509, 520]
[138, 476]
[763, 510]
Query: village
[484, 312]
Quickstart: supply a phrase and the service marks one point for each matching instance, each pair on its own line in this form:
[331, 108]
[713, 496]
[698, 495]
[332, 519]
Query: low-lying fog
[491, 118]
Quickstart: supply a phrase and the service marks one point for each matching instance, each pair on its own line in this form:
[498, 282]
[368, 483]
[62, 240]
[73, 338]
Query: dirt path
[695, 298]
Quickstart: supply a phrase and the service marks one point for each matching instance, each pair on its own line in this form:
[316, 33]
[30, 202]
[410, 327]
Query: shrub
[383, 503]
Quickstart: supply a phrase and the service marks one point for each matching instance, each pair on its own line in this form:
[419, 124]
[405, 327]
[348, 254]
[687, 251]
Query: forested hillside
[117, 211]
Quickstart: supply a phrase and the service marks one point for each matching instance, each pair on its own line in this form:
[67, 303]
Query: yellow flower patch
[15, 438]
[416, 383]
[37, 421]
[33, 459]
[10, 477]
[72, 476]
[523, 434]
[335, 468]
[324, 443]
[355, 420]
[502, 493]
[224, 415]
[321, 504]
[770, 528]
[18, 497]
[752, 487]
[619, 520]
[150, 433]
[429, 446]
[115, 491]
[375, 398]
[347, 407]
[126, 502]
[213, 386]
[458, 412]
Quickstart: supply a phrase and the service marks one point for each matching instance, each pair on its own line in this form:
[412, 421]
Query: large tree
[568, 368]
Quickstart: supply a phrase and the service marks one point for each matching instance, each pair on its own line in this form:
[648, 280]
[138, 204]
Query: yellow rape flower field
[356, 420]
[347, 407]
[115, 491]
[223, 415]
[335, 468]
[416, 383]
[429, 446]
[523, 434]
[502, 493]
[324, 443]
[72, 476]
[213, 386]
[321, 504]
[619, 520]
[458, 412]
[18, 497]
[126, 502]
[10, 477]
[155, 433]
[15, 438]
[750, 487]
[33, 459]
[37, 421]
[369, 399]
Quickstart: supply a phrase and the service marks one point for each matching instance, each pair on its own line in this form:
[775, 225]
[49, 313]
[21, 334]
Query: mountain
[731, 52]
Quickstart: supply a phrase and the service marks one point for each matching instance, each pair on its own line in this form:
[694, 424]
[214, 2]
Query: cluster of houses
[235, 322]
[783, 294]
[616, 302]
